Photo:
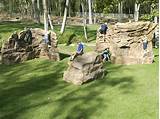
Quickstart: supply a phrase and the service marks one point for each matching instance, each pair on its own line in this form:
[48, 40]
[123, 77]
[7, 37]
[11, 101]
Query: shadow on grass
[89, 102]
[156, 56]
[63, 56]
[13, 91]
[70, 40]
[126, 80]
[25, 87]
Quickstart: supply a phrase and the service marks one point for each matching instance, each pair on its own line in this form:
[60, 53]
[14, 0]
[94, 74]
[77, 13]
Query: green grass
[72, 48]
[73, 33]
[35, 90]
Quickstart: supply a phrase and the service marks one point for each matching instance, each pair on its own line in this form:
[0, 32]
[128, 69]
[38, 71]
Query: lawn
[73, 32]
[35, 90]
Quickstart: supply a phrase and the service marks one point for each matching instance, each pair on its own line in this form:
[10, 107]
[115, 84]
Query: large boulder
[16, 49]
[83, 69]
[125, 41]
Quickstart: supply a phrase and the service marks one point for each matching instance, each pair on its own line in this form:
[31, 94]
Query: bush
[146, 17]
[150, 17]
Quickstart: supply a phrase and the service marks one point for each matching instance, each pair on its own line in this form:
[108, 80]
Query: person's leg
[104, 57]
[101, 31]
[73, 56]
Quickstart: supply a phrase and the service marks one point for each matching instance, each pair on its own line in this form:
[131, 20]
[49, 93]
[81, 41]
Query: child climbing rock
[80, 49]
[103, 28]
[106, 55]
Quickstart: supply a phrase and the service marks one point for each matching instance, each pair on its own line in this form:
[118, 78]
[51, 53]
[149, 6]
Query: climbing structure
[125, 41]
[28, 45]
[84, 68]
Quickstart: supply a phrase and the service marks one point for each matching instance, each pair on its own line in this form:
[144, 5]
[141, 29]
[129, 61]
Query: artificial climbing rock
[125, 41]
[84, 68]
[27, 45]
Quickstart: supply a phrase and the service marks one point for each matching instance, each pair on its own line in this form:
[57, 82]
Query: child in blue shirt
[80, 48]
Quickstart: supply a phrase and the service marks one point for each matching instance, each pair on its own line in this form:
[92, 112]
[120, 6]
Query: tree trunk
[95, 19]
[50, 21]
[10, 8]
[94, 12]
[136, 11]
[33, 9]
[38, 12]
[120, 10]
[69, 11]
[65, 17]
[84, 21]
[45, 15]
[60, 14]
[90, 12]
[155, 19]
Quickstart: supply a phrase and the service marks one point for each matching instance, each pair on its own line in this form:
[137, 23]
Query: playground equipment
[28, 45]
[84, 68]
[126, 42]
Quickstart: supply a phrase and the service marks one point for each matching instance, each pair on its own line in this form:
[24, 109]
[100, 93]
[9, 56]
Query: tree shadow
[126, 80]
[92, 35]
[63, 55]
[85, 105]
[70, 40]
[19, 111]
[156, 55]
[80, 102]
[82, 106]
[13, 93]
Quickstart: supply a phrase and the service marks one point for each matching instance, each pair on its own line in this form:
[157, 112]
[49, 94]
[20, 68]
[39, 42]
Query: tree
[136, 10]
[64, 17]
[137, 5]
[60, 14]
[10, 7]
[84, 20]
[90, 11]
[45, 15]
[120, 9]
[35, 11]
[94, 10]
[50, 21]
[38, 11]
